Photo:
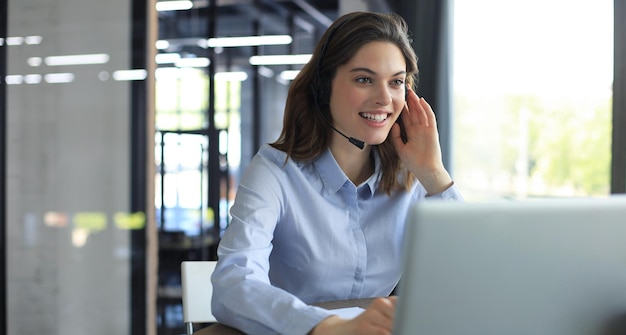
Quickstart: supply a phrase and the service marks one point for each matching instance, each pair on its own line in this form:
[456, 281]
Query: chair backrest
[197, 292]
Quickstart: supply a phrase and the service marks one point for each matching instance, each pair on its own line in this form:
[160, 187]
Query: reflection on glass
[57, 78]
[70, 169]
[129, 221]
[76, 59]
[56, 219]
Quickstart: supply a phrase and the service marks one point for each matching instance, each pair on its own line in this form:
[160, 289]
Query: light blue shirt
[303, 233]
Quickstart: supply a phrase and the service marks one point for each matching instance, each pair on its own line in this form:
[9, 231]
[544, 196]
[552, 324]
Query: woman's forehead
[378, 58]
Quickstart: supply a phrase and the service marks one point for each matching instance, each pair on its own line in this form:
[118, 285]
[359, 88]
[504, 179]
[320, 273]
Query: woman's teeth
[374, 117]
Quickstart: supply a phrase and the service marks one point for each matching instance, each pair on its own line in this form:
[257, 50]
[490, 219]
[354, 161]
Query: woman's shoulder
[273, 163]
[272, 172]
[270, 158]
[268, 152]
[269, 162]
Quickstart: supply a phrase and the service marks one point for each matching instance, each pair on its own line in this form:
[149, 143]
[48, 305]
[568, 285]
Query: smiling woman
[318, 217]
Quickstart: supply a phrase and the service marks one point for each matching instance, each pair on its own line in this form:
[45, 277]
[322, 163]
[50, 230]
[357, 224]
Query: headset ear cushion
[324, 91]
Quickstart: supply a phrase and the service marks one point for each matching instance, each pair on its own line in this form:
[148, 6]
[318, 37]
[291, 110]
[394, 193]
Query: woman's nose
[383, 96]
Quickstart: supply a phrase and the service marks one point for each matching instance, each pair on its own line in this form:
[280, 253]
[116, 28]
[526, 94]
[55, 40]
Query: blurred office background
[127, 123]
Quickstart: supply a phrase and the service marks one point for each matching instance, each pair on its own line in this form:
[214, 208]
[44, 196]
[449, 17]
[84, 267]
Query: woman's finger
[428, 113]
[418, 113]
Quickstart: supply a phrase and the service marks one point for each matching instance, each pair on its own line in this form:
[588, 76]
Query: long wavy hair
[306, 123]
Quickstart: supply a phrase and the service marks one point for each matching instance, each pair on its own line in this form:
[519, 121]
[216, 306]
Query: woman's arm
[243, 296]
[376, 319]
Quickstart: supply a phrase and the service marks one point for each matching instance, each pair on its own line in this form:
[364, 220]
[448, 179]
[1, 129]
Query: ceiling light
[34, 61]
[167, 58]
[280, 59]
[231, 76]
[162, 44]
[124, 75]
[265, 71]
[56, 78]
[32, 78]
[193, 62]
[14, 79]
[243, 41]
[163, 6]
[289, 74]
[17, 40]
[31, 40]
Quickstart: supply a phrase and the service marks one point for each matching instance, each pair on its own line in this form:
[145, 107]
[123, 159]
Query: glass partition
[73, 264]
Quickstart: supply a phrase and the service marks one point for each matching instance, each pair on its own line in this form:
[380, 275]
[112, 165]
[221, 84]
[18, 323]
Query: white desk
[226, 330]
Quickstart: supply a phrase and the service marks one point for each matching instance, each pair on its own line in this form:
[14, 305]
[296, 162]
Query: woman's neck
[355, 163]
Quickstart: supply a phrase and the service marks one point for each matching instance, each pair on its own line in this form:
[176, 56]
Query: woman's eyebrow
[364, 69]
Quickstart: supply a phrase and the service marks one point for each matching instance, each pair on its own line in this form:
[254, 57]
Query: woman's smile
[374, 117]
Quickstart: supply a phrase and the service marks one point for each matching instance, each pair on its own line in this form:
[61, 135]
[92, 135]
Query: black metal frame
[138, 163]
[4, 17]
[618, 143]
[212, 132]
[431, 32]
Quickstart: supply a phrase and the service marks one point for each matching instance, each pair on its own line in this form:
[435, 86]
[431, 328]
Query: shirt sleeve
[452, 193]
[243, 296]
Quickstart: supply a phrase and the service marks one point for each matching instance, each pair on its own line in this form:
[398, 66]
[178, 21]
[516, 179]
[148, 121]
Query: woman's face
[368, 93]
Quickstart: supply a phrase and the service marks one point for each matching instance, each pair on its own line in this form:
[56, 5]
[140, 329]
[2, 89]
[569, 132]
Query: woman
[319, 214]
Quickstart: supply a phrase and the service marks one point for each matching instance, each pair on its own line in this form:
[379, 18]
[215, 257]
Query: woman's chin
[376, 141]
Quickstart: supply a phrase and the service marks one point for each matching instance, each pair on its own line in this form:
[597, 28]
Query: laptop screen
[554, 267]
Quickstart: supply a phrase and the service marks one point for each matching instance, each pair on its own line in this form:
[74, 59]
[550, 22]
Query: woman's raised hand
[421, 153]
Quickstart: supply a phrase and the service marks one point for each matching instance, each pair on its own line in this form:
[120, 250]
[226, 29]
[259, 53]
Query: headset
[321, 84]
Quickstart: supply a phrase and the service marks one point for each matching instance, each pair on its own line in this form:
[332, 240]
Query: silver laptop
[535, 267]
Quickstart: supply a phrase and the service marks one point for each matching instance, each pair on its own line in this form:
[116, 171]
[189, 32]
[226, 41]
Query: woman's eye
[398, 82]
[364, 80]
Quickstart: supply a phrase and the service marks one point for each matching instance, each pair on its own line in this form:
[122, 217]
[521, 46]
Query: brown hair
[306, 126]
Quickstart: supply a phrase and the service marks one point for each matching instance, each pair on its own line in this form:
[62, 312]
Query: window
[532, 96]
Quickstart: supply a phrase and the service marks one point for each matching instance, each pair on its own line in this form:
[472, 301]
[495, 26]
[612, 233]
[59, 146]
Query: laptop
[532, 267]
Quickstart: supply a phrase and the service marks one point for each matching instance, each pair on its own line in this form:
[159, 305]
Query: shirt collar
[334, 178]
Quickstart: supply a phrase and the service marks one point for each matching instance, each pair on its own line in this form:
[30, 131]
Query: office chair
[197, 292]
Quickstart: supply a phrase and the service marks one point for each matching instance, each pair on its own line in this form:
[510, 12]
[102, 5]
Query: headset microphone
[358, 143]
